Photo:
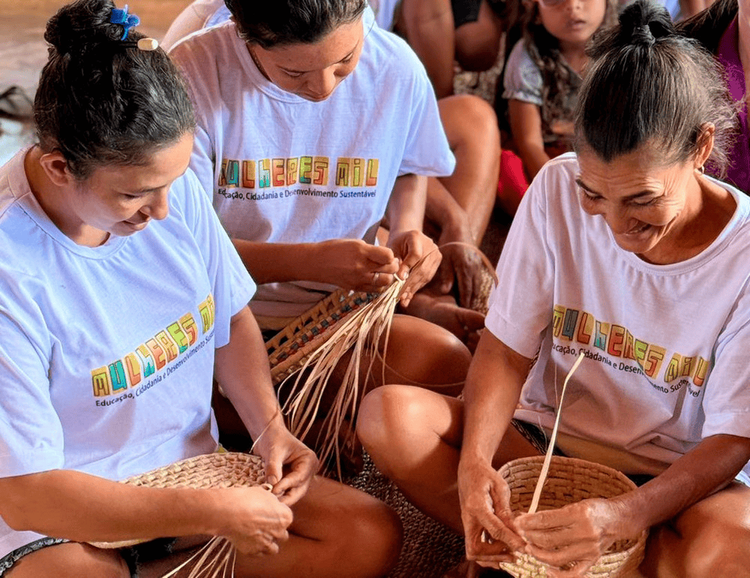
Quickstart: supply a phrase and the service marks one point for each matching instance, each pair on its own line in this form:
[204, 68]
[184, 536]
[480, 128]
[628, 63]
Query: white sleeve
[427, 150]
[726, 401]
[31, 438]
[520, 307]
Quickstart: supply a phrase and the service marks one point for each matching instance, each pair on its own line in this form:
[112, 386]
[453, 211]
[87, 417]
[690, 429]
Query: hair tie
[128, 21]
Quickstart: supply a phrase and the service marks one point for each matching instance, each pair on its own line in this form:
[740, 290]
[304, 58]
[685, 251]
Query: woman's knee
[381, 417]
[378, 536]
[711, 538]
[70, 560]
[469, 120]
[358, 534]
[422, 353]
[398, 425]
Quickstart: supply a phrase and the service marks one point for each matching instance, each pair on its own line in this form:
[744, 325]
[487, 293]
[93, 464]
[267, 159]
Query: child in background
[542, 78]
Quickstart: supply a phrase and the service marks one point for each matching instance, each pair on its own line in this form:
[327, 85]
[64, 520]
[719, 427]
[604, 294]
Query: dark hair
[270, 23]
[647, 84]
[706, 26]
[544, 50]
[102, 100]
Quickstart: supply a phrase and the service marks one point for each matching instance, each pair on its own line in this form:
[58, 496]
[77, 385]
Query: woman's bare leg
[711, 538]
[70, 560]
[414, 436]
[337, 531]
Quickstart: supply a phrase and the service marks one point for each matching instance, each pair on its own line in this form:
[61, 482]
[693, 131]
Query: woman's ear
[704, 145]
[55, 166]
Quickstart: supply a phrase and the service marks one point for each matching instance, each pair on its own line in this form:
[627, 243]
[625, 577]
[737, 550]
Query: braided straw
[219, 470]
[289, 348]
[570, 480]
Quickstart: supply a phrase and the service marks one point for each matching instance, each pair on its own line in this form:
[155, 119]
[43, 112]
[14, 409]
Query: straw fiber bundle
[570, 480]
[219, 470]
[359, 332]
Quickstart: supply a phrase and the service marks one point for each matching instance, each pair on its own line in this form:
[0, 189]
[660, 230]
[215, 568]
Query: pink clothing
[728, 54]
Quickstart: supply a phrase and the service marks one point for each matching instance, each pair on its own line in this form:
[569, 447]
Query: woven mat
[430, 549]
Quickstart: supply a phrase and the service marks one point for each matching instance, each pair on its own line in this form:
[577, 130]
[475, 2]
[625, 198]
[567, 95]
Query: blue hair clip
[120, 16]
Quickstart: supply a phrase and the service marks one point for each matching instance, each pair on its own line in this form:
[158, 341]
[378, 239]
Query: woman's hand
[256, 520]
[572, 538]
[290, 464]
[412, 248]
[489, 529]
[463, 264]
[353, 264]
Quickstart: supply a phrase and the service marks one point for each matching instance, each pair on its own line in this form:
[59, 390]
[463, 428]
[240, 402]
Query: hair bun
[644, 23]
[80, 25]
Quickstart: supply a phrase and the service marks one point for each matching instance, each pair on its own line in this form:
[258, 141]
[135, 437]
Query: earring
[701, 169]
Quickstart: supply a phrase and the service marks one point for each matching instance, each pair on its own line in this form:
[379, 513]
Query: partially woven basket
[219, 470]
[290, 347]
[570, 480]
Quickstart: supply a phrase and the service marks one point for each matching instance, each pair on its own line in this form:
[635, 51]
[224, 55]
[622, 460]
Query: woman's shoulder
[206, 46]
[386, 53]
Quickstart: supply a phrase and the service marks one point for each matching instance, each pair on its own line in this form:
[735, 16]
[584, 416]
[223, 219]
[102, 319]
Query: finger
[564, 556]
[446, 276]
[380, 279]
[465, 288]
[381, 255]
[274, 469]
[300, 472]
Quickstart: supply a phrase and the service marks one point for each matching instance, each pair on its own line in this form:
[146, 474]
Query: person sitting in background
[614, 254]
[446, 32]
[121, 297]
[542, 78]
[343, 131]
[458, 206]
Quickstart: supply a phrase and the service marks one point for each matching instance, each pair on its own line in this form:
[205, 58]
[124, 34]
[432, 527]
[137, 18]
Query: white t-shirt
[665, 345]
[107, 353]
[287, 170]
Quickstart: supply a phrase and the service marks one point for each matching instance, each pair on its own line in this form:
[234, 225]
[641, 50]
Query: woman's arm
[243, 372]
[347, 263]
[493, 387]
[405, 216]
[86, 508]
[526, 127]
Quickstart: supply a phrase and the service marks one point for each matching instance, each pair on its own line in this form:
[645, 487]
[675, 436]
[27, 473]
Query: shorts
[538, 438]
[133, 555]
[465, 11]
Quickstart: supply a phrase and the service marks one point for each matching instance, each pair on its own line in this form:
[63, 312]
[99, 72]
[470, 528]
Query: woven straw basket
[571, 480]
[290, 347]
[219, 470]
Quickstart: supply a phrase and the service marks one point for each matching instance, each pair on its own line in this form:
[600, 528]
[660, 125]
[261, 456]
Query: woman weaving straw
[121, 294]
[627, 252]
[305, 154]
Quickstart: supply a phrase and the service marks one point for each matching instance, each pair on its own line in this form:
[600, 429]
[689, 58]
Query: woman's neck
[54, 202]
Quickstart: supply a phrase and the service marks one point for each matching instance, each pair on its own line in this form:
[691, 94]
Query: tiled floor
[23, 51]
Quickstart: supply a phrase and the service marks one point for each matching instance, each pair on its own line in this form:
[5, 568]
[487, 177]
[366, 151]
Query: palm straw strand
[548, 456]
[215, 559]
[360, 332]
